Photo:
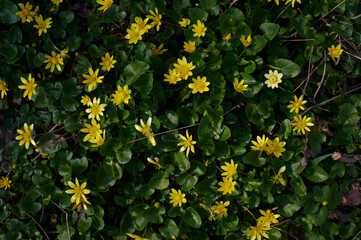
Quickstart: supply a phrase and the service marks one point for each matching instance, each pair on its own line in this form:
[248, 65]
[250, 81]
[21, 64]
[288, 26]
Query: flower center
[273, 79]
[200, 85]
[42, 25]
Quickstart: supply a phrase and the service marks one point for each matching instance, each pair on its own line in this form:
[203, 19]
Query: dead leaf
[352, 198]
[346, 158]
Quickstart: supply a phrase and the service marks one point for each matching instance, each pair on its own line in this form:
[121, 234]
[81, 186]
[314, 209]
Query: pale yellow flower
[273, 79]
[189, 46]
[96, 109]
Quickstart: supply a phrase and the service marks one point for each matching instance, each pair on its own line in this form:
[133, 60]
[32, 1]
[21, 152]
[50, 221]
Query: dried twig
[331, 10]
[66, 219]
[42, 229]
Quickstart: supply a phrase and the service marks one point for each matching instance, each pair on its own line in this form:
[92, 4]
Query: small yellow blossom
[227, 186]
[184, 22]
[302, 124]
[93, 130]
[199, 85]
[335, 52]
[226, 38]
[155, 162]
[184, 68]
[25, 136]
[239, 86]
[93, 79]
[221, 209]
[277, 1]
[158, 50]
[230, 169]
[79, 192]
[5, 183]
[107, 62]
[156, 17]
[273, 79]
[173, 77]
[293, 2]
[3, 89]
[42, 25]
[142, 24]
[278, 177]
[26, 14]
[98, 141]
[106, 4]
[246, 42]
[64, 53]
[296, 105]
[56, 1]
[29, 86]
[145, 130]
[136, 237]
[85, 100]
[43, 155]
[121, 95]
[187, 143]
[134, 34]
[199, 29]
[261, 143]
[275, 147]
[96, 109]
[189, 46]
[177, 198]
[268, 217]
[55, 60]
[258, 231]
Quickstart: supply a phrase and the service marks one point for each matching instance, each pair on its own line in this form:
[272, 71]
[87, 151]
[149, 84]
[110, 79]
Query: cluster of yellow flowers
[79, 199]
[263, 225]
[274, 147]
[227, 186]
[287, 1]
[300, 124]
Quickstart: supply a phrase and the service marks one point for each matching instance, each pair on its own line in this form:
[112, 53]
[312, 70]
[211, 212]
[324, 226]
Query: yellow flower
[239, 86]
[3, 89]
[107, 62]
[93, 130]
[55, 60]
[293, 2]
[184, 22]
[78, 207]
[301, 124]
[226, 38]
[184, 68]
[96, 109]
[277, 1]
[79, 191]
[134, 34]
[136, 237]
[155, 162]
[145, 130]
[85, 100]
[278, 177]
[189, 46]
[258, 231]
[25, 136]
[220, 209]
[199, 85]
[155, 17]
[268, 217]
[199, 29]
[42, 25]
[105, 4]
[64, 53]
[275, 147]
[173, 76]
[5, 182]
[56, 1]
[29, 86]
[335, 52]
[142, 24]
[261, 143]
[92, 78]
[43, 155]
[187, 143]
[98, 141]
[273, 79]
[230, 169]
[26, 14]
[297, 104]
[246, 42]
[121, 95]
[227, 186]
[158, 50]
[177, 198]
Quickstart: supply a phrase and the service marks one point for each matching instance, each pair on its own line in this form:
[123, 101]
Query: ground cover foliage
[180, 119]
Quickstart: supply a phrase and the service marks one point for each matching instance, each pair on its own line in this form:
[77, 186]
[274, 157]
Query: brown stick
[42, 229]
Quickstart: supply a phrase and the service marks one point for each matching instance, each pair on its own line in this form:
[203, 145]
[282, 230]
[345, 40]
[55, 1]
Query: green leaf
[69, 104]
[270, 30]
[152, 215]
[8, 11]
[182, 161]
[320, 217]
[254, 158]
[316, 174]
[83, 66]
[314, 236]
[73, 42]
[159, 181]
[259, 43]
[66, 17]
[124, 155]
[48, 144]
[300, 23]
[41, 99]
[15, 34]
[84, 224]
[298, 185]
[144, 84]
[288, 68]
[169, 230]
[27, 204]
[285, 129]
[79, 165]
[134, 70]
[197, 14]
[103, 179]
[126, 225]
[206, 186]
[71, 88]
[114, 14]
[192, 218]
[315, 139]
[187, 181]
[348, 114]
[187, 116]
[8, 50]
